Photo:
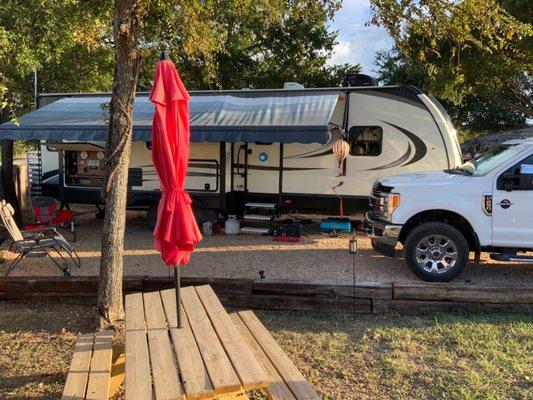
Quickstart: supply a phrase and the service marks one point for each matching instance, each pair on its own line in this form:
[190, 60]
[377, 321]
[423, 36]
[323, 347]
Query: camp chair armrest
[29, 241]
[52, 231]
[35, 241]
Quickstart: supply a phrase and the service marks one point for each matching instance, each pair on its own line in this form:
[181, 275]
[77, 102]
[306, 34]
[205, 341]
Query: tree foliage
[62, 39]
[468, 47]
[475, 114]
[215, 43]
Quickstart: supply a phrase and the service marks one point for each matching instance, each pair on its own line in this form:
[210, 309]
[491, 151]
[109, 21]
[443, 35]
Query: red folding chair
[47, 215]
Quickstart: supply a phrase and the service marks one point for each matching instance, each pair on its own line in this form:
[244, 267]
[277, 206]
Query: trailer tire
[436, 251]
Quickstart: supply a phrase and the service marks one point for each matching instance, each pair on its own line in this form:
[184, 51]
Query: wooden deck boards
[138, 380]
[205, 359]
[277, 388]
[296, 382]
[250, 372]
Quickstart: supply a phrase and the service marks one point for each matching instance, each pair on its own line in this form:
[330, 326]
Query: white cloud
[341, 53]
[358, 41]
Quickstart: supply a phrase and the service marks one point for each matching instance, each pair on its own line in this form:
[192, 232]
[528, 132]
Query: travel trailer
[269, 146]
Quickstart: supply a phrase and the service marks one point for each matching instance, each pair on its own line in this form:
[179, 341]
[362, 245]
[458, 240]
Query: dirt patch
[317, 256]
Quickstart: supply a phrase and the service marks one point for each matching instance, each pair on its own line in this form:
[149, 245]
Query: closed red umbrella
[176, 232]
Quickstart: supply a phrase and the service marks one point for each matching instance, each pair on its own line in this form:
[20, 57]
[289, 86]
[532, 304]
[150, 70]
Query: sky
[357, 43]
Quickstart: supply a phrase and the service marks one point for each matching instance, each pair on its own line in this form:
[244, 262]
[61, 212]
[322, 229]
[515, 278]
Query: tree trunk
[127, 62]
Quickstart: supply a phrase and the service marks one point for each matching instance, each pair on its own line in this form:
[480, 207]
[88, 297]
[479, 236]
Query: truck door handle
[505, 203]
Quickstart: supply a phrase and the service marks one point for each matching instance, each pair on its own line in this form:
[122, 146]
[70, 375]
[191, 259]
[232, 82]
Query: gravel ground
[317, 256]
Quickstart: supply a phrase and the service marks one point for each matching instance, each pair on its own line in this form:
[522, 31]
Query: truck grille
[377, 200]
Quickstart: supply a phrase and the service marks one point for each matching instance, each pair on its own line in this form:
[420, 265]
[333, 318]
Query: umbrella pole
[177, 285]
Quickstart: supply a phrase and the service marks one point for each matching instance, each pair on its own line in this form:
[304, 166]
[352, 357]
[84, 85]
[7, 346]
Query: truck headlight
[392, 202]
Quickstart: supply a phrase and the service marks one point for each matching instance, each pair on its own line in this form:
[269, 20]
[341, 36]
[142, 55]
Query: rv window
[365, 140]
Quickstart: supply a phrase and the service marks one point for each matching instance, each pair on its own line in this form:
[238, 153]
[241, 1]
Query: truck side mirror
[526, 177]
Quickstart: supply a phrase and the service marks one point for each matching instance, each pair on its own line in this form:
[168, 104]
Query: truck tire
[436, 252]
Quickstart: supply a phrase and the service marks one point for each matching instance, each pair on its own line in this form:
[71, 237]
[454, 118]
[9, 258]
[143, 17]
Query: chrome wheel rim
[436, 254]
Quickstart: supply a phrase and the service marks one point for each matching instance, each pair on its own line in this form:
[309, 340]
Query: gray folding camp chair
[39, 242]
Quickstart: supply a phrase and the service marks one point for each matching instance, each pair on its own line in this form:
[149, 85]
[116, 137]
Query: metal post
[354, 300]
[177, 285]
[353, 252]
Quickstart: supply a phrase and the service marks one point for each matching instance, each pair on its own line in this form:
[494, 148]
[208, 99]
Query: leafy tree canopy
[215, 43]
[61, 38]
[475, 114]
[467, 47]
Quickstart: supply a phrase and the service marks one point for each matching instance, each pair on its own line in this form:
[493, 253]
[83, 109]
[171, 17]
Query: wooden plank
[250, 373]
[415, 307]
[280, 302]
[324, 288]
[223, 377]
[276, 389]
[298, 385]
[117, 370]
[56, 284]
[219, 285]
[194, 375]
[100, 371]
[465, 292]
[78, 373]
[164, 371]
[138, 383]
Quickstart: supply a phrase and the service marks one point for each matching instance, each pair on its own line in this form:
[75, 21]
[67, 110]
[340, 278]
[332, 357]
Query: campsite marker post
[353, 252]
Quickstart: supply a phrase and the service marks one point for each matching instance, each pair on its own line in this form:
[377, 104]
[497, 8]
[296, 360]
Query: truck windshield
[485, 163]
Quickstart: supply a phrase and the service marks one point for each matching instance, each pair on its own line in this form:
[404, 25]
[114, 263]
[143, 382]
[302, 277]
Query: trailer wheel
[436, 252]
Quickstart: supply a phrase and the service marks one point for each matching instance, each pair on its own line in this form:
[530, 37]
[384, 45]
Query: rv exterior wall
[391, 131]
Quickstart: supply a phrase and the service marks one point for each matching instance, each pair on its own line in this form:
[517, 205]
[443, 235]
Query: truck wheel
[436, 252]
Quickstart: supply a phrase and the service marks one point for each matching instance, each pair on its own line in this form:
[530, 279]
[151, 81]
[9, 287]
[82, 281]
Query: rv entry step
[258, 217]
[260, 205]
[249, 229]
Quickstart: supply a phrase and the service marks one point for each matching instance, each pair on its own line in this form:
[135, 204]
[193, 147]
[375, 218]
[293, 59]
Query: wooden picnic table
[206, 359]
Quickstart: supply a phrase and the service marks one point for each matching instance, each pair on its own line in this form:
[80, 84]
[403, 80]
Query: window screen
[365, 140]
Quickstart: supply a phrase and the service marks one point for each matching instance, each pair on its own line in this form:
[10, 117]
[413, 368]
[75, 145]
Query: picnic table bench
[90, 369]
[215, 355]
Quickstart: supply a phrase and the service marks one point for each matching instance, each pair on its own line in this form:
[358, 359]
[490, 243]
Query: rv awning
[247, 116]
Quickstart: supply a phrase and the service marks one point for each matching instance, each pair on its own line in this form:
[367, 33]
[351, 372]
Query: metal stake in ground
[353, 252]
[177, 285]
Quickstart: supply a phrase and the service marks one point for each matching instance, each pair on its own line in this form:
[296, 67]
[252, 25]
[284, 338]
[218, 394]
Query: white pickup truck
[485, 205]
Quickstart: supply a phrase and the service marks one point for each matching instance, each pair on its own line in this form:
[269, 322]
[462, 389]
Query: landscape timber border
[372, 297]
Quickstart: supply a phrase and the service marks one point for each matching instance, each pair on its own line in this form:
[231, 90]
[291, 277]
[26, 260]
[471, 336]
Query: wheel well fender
[449, 217]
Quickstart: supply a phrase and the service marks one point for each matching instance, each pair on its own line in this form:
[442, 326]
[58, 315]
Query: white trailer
[270, 146]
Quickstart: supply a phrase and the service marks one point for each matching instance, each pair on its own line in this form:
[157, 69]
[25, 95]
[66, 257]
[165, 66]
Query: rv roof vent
[359, 80]
[292, 86]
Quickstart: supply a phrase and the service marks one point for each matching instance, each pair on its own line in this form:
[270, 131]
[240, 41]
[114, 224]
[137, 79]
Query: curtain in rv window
[365, 140]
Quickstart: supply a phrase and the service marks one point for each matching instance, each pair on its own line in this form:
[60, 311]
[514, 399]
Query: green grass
[436, 356]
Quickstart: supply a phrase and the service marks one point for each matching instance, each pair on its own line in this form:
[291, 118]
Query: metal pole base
[177, 285]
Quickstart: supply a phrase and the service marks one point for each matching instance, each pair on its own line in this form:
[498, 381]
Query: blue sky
[357, 43]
